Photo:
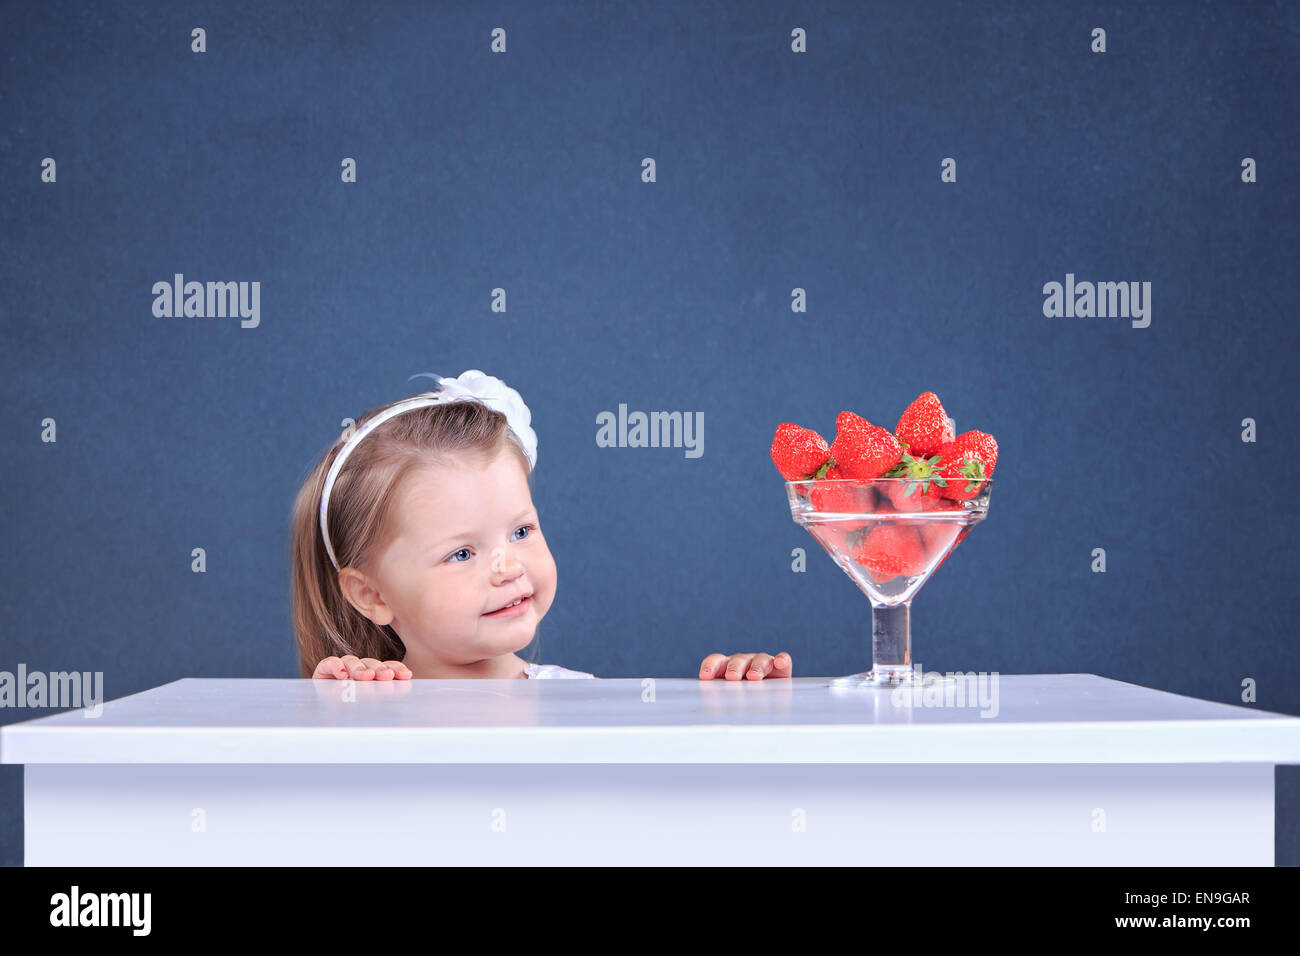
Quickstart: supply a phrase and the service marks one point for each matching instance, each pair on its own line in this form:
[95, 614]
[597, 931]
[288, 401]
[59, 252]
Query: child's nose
[505, 563]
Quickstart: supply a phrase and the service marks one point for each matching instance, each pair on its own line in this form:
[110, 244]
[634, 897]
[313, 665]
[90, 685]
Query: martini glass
[889, 535]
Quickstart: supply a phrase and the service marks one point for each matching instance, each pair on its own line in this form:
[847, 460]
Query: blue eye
[454, 559]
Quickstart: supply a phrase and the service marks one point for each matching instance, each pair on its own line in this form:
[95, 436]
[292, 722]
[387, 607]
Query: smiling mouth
[511, 606]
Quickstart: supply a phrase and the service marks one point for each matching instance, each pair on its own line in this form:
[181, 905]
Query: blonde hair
[360, 509]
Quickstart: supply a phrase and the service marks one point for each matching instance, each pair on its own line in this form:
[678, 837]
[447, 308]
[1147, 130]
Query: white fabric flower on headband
[495, 394]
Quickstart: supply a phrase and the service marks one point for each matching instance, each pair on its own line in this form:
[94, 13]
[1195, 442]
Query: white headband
[471, 385]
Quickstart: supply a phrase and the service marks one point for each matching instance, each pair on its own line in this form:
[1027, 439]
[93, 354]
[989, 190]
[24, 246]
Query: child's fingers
[738, 665]
[759, 667]
[357, 668]
[328, 669]
[751, 666]
[383, 670]
[373, 667]
[378, 669]
[361, 668]
[712, 663]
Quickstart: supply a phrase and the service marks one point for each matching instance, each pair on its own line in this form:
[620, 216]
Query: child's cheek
[448, 600]
[552, 584]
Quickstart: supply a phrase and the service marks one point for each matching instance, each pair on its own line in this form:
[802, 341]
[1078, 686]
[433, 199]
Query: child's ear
[361, 593]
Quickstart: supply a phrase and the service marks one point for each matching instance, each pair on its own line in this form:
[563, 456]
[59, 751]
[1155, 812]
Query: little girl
[417, 550]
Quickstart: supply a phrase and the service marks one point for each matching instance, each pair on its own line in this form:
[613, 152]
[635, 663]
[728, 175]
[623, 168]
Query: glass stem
[891, 643]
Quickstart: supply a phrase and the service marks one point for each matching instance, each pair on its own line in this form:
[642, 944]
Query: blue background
[775, 171]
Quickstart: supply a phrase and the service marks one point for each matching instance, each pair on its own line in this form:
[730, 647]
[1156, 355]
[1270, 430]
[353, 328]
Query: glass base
[890, 677]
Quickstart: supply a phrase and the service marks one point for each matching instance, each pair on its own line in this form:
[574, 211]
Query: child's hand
[360, 668]
[758, 666]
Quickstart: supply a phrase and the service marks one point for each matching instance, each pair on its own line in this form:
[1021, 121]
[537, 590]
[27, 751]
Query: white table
[1073, 769]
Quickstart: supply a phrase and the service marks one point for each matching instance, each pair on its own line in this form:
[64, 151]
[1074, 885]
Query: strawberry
[799, 453]
[985, 447]
[846, 498]
[861, 449]
[970, 456]
[890, 550]
[839, 537]
[937, 537]
[926, 484]
[894, 496]
[931, 503]
[924, 426]
[956, 541]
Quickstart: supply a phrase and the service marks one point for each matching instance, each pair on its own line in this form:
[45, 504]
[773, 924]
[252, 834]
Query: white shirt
[540, 671]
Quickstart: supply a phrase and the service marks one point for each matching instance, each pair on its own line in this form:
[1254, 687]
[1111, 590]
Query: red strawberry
[937, 537]
[926, 484]
[924, 426]
[931, 503]
[894, 497]
[847, 498]
[970, 456]
[985, 446]
[890, 550]
[961, 534]
[798, 453]
[861, 449]
[839, 537]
